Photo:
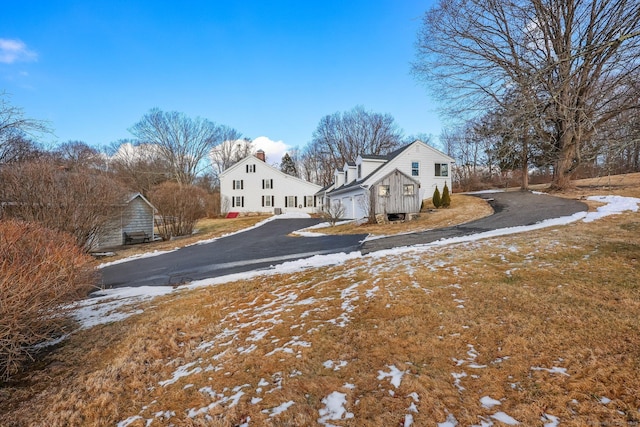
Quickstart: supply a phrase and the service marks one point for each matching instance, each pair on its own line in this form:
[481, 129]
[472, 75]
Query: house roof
[251, 157]
[132, 196]
[388, 157]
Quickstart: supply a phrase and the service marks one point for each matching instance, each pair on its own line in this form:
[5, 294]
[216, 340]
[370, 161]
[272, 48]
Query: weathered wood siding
[137, 215]
[396, 201]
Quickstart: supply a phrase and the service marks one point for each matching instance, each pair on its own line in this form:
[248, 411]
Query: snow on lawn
[334, 408]
[111, 305]
[260, 317]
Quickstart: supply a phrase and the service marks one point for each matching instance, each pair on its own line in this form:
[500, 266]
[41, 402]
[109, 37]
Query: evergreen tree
[437, 202]
[288, 166]
[446, 198]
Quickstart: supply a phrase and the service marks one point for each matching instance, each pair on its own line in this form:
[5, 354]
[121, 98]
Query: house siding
[138, 216]
[254, 173]
[427, 157]
[374, 170]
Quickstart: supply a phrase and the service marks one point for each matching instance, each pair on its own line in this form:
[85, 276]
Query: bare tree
[79, 201]
[16, 132]
[230, 151]
[16, 146]
[78, 154]
[566, 59]
[341, 137]
[140, 167]
[184, 142]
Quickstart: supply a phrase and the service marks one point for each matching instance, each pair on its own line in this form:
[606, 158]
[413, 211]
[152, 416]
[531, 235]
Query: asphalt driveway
[511, 209]
[270, 244]
[253, 249]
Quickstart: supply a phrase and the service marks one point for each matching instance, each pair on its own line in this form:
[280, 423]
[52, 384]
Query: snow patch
[334, 408]
[395, 374]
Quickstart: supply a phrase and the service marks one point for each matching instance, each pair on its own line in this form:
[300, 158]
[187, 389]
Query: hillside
[538, 328]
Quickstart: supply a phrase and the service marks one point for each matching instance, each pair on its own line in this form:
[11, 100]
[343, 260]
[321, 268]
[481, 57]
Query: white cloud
[274, 150]
[15, 51]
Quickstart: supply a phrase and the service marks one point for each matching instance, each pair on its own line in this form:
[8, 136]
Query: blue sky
[266, 68]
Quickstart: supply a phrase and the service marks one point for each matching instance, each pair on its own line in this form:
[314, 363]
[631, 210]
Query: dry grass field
[539, 328]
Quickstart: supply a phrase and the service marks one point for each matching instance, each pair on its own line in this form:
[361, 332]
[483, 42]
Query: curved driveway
[511, 209]
[270, 244]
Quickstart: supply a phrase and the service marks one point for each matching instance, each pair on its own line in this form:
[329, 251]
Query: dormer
[350, 172]
[366, 164]
[338, 178]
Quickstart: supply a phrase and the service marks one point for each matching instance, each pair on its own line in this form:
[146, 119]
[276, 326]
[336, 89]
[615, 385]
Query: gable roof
[252, 157]
[132, 196]
[386, 158]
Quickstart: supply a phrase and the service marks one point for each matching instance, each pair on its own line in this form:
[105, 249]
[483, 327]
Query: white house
[399, 180]
[252, 185]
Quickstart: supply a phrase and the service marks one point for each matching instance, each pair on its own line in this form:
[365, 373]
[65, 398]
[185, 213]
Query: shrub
[437, 202]
[179, 207]
[79, 201]
[446, 197]
[41, 271]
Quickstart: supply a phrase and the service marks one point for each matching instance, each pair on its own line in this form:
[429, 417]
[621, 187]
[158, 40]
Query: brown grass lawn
[545, 323]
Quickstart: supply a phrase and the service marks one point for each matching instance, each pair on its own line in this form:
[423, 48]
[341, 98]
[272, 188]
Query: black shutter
[263, 185]
[263, 201]
[243, 201]
[233, 202]
[305, 202]
[273, 201]
[315, 201]
[246, 168]
[271, 182]
[296, 204]
[242, 184]
[234, 184]
[286, 201]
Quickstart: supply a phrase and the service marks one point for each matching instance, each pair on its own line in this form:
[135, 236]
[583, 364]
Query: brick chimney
[260, 154]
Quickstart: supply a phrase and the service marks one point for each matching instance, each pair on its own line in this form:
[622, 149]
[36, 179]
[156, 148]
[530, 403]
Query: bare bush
[80, 201]
[179, 207]
[41, 271]
[333, 212]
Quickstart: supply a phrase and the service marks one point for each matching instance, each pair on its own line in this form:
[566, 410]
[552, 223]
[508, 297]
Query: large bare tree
[341, 137]
[183, 141]
[567, 60]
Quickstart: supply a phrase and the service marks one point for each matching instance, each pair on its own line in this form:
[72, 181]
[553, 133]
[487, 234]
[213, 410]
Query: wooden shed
[136, 215]
[395, 194]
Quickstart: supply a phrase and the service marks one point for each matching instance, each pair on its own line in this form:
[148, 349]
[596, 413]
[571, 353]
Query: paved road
[270, 244]
[254, 249]
[514, 208]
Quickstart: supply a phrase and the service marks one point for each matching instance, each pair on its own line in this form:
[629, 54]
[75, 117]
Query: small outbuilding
[395, 194]
[135, 217]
